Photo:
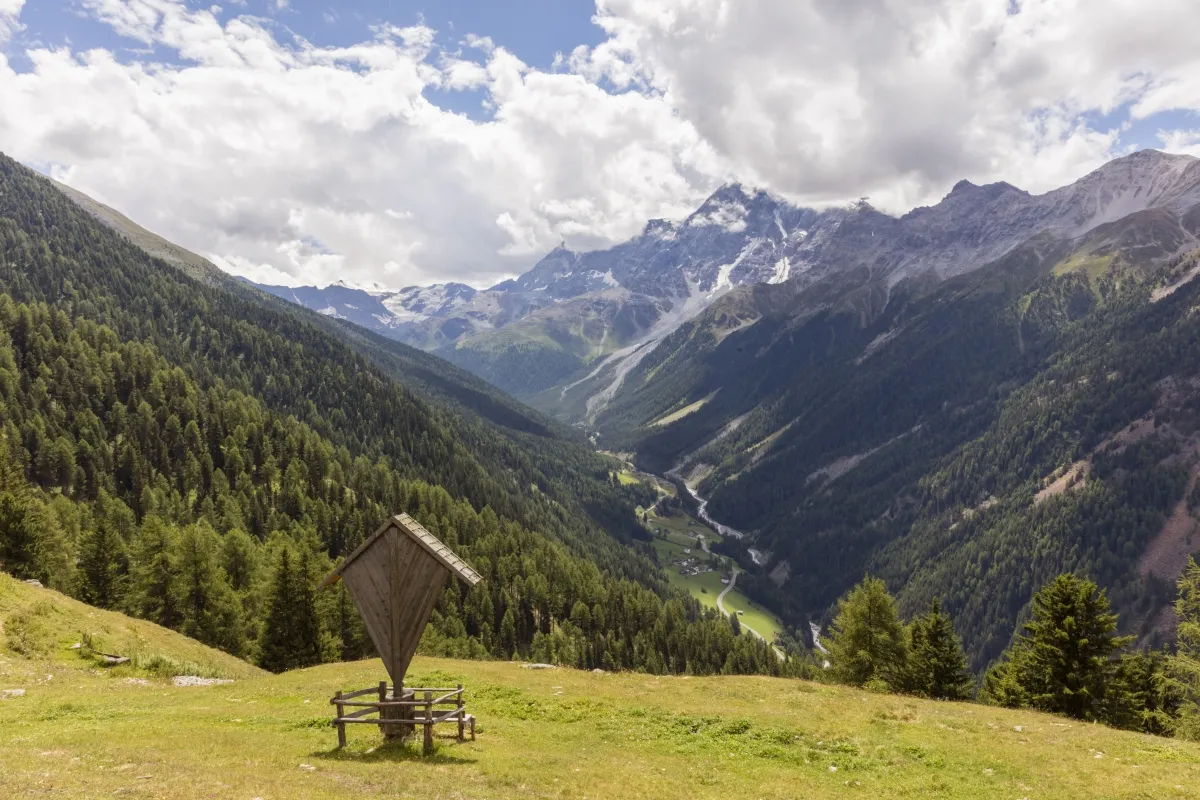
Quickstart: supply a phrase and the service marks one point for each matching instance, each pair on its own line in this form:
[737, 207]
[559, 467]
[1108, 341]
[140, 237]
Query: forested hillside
[968, 439]
[191, 453]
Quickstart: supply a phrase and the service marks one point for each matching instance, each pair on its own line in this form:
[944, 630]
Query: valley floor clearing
[554, 733]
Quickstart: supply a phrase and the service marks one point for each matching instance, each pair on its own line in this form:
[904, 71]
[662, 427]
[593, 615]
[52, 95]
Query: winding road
[721, 608]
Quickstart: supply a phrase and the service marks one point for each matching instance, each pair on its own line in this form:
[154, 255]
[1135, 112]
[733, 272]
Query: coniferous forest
[186, 450]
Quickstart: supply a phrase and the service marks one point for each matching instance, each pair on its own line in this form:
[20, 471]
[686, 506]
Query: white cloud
[830, 99]
[296, 163]
[1181, 141]
[10, 15]
[254, 147]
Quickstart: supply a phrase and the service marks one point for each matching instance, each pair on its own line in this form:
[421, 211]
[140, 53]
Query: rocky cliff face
[740, 237]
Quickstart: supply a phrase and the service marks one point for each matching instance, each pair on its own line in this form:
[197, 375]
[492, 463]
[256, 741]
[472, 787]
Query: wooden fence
[398, 717]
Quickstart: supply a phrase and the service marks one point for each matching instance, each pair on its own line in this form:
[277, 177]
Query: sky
[401, 142]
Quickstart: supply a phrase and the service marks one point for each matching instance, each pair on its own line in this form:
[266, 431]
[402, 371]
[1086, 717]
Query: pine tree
[155, 575]
[1064, 661]
[867, 642]
[104, 566]
[291, 633]
[937, 666]
[1184, 669]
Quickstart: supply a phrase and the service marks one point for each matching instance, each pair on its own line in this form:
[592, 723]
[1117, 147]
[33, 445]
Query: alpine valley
[965, 400]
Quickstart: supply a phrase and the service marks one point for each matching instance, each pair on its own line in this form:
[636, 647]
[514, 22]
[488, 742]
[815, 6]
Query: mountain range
[966, 399]
[583, 319]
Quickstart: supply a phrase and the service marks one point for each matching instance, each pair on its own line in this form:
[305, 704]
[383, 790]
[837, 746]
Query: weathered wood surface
[399, 718]
[395, 578]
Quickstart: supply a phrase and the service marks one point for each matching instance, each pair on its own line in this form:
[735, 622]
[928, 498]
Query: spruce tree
[1184, 669]
[1064, 662]
[867, 641]
[937, 666]
[308, 622]
[291, 633]
[104, 566]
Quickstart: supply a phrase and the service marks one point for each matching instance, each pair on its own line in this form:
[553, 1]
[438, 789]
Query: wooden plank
[373, 609]
[368, 581]
[401, 579]
[411, 573]
[341, 726]
[332, 577]
[412, 636]
[392, 703]
[428, 748]
[352, 695]
[362, 712]
[436, 548]
[461, 719]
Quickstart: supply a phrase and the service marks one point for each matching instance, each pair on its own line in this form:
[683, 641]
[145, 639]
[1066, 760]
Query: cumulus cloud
[293, 162]
[10, 14]
[255, 149]
[828, 99]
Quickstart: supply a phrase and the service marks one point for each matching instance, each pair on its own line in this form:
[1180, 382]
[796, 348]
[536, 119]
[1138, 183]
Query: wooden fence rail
[398, 717]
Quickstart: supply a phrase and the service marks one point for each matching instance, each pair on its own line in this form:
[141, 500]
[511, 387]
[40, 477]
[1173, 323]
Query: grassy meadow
[83, 731]
[680, 535]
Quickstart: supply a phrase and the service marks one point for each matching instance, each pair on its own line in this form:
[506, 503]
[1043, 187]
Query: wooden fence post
[387, 730]
[341, 726]
[428, 722]
[461, 720]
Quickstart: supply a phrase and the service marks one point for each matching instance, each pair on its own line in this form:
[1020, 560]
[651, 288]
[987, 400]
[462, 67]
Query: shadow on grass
[444, 753]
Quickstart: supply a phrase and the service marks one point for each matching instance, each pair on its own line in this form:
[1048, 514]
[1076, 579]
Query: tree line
[128, 486]
[1068, 658]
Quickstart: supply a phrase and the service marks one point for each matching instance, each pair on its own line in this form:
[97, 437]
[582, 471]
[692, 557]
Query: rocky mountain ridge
[567, 303]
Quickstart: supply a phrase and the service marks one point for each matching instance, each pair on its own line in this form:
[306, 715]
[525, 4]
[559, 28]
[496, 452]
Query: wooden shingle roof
[395, 579]
[418, 534]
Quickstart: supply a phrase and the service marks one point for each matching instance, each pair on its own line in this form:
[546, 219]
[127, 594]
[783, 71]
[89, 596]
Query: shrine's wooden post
[341, 726]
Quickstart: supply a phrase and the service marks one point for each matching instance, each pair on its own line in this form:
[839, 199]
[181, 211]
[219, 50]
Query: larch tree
[867, 640]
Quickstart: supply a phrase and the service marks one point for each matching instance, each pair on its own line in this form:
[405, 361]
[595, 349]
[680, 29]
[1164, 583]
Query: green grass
[84, 732]
[707, 585]
[754, 615]
[683, 412]
[44, 624]
[1094, 265]
[626, 478]
[557, 734]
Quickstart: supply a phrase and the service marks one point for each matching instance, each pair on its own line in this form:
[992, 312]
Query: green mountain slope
[41, 627]
[550, 345]
[151, 420]
[908, 430]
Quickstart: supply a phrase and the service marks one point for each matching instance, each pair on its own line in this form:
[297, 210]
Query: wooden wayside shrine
[395, 578]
